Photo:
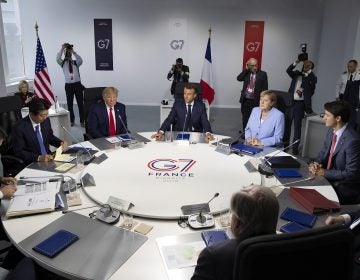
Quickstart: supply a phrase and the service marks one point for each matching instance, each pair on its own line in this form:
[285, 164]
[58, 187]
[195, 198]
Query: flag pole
[36, 30]
[209, 31]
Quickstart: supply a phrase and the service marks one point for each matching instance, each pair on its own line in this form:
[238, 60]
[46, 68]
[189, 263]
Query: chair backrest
[284, 104]
[321, 253]
[179, 90]
[91, 96]
[10, 112]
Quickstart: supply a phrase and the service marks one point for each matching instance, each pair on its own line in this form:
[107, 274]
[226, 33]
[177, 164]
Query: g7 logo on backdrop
[103, 43]
[166, 165]
[177, 44]
[253, 46]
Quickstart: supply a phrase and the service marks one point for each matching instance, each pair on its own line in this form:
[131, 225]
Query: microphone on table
[265, 165]
[202, 220]
[183, 130]
[91, 157]
[133, 143]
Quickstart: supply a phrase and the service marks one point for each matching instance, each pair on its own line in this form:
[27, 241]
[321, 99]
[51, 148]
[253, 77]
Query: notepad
[56, 243]
[300, 217]
[212, 237]
[287, 173]
[59, 156]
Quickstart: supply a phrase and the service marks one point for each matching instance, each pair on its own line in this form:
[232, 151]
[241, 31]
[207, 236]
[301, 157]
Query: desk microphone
[201, 220]
[133, 143]
[183, 131]
[265, 165]
[91, 157]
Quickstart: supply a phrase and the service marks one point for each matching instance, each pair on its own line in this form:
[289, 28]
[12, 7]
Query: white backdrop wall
[142, 55]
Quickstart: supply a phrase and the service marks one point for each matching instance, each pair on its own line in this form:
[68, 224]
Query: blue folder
[183, 136]
[292, 227]
[300, 217]
[287, 173]
[251, 150]
[212, 237]
[56, 243]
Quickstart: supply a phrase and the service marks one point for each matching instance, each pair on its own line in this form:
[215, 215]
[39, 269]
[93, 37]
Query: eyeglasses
[322, 115]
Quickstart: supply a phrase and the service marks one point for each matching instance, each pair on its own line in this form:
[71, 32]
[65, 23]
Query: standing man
[187, 114]
[255, 81]
[107, 118]
[302, 88]
[339, 159]
[179, 72]
[73, 84]
[32, 135]
[347, 89]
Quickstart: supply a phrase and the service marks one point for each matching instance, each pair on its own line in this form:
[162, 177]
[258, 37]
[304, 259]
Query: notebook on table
[293, 215]
[212, 237]
[292, 227]
[183, 136]
[282, 162]
[287, 173]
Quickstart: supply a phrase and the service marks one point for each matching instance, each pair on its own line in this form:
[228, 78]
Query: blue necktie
[40, 140]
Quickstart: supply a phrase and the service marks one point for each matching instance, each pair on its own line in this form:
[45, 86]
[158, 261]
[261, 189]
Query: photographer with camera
[179, 72]
[302, 88]
[73, 84]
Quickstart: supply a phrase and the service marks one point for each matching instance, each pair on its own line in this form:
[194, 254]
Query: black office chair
[10, 113]
[91, 96]
[179, 90]
[321, 253]
[284, 104]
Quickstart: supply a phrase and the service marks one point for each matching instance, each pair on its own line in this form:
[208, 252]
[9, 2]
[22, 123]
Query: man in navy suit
[187, 115]
[255, 82]
[339, 159]
[107, 118]
[32, 135]
[255, 211]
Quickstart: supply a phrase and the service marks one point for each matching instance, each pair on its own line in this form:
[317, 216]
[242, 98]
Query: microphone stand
[181, 141]
[133, 143]
[202, 220]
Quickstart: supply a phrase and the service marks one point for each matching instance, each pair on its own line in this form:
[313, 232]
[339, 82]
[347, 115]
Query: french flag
[206, 76]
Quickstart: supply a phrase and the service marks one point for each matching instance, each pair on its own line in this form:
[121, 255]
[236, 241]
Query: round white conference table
[158, 179]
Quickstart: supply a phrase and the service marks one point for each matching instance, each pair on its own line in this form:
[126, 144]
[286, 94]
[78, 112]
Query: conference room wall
[142, 55]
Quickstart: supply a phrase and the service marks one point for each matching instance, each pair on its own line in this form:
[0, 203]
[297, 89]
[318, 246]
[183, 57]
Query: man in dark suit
[107, 118]
[255, 81]
[188, 114]
[32, 135]
[179, 72]
[339, 159]
[302, 88]
[255, 211]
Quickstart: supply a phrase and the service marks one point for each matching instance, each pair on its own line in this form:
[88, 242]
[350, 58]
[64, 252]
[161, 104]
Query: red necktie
[331, 151]
[112, 130]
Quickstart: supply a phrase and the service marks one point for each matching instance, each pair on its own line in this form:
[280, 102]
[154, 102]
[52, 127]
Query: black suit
[216, 262]
[177, 117]
[179, 74]
[247, 104]
[24, 141]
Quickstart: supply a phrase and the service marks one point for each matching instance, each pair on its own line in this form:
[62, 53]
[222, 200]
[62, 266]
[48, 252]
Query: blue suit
[346, 157]
[270, 131]
[177, 117]
[24, 141]
[98, 120]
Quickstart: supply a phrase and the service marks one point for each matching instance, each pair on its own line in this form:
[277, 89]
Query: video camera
[68, 46]
[304, 55]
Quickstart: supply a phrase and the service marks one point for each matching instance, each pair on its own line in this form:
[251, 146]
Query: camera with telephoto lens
[304, 55]
[68, 46]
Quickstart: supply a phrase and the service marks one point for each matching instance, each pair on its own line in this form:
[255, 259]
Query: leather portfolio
[56, 243]
[287, 173]
[212, 237]
[313, 201]
[282, 162]
[293, 215]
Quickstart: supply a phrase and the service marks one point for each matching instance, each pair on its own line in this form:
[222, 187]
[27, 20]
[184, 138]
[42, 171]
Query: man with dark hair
[32, 135]
[73, 84]
[179, 72]
[348, 89]
[187, 114]
[302, 88]
[255, 82]
[339, 159]
[255, 211]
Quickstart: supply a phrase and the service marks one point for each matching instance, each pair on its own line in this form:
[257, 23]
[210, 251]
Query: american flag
[42, 83]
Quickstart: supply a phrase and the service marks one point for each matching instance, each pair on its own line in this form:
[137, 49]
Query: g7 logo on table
[166, 165]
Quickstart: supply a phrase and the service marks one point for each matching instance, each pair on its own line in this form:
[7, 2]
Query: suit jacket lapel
[30, 132]
[341, 142]
[106, 116]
